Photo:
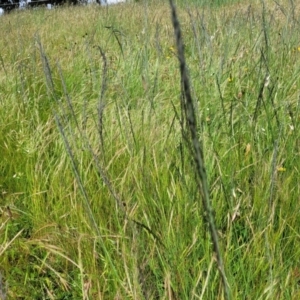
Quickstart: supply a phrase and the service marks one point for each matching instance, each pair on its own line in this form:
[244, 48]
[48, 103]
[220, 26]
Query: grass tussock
[99, 198]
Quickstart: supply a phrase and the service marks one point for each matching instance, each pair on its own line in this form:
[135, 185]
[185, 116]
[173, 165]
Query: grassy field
[98, 191]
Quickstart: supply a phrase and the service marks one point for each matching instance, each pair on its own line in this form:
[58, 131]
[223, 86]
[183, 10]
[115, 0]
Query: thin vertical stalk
[197, 150]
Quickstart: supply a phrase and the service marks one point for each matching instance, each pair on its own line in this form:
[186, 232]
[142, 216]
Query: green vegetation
[205, 3]
[98, 196]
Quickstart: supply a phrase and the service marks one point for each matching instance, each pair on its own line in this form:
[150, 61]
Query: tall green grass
[206, 3]
[99, 197]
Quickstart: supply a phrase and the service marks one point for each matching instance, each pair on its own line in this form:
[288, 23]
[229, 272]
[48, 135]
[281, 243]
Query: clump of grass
[97, 184]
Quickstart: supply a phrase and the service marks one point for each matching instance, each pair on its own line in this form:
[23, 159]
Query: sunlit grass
[134, 165]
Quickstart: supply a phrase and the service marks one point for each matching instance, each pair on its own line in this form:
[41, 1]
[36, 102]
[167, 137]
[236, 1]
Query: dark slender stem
[197, 150]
